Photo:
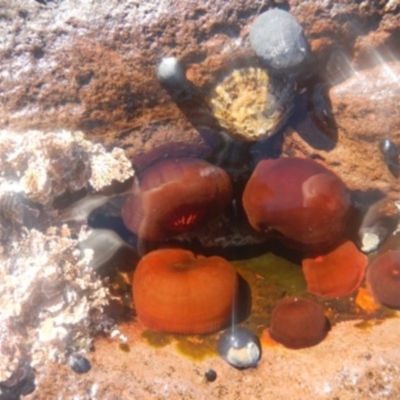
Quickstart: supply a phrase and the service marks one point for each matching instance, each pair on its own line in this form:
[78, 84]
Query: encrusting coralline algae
[46, 165]
[49, 292]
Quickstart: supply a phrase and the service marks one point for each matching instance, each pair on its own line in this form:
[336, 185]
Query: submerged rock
[277, 38]
[363, 110]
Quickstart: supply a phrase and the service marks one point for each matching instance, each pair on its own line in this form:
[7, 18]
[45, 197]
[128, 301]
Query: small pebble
[210, 375]
[79, 364]
[277, 38]
[171, 73]
[124, 347]
[240, 347]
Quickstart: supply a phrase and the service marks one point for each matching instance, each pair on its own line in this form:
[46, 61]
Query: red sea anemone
[297, 323]
[299, 198]
[175, 196]
[176, 291]
[383, 279]
[336, 273]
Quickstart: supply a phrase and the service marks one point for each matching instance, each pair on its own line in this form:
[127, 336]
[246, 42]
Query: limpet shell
[251, 103]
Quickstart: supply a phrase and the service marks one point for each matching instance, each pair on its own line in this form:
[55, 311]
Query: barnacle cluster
[46, 165]
[48, 293]
[51, 298]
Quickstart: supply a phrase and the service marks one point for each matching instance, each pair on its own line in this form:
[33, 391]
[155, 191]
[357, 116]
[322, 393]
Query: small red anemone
[337, 273]
[297, 323]
[175, 196]
[176, 291]
[301, 199]
[383, 279]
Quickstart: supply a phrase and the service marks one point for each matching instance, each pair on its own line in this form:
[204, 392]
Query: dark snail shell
[240, 347]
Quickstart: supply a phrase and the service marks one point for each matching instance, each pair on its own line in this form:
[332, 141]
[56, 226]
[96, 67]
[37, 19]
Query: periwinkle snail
[240, 347]
[79, 363]
[171, 73]
[391, 153]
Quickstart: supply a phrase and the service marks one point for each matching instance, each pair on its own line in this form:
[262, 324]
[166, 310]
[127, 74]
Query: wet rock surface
[93, 67]
[364, 111]
[350, 364]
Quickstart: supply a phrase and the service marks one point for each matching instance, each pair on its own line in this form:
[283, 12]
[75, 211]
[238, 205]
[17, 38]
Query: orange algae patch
[266, 339]
[365, 301]
[337, 273]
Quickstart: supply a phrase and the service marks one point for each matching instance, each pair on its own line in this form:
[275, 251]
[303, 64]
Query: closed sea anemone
[174, 196]
[338, 272]
[297, 323]
[299, 198]
[177, 291]
[383, 279]
[251, 103]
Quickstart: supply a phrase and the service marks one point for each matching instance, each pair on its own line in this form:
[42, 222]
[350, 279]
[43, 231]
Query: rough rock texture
[92, 65]
[42, 166]
[350, 364]
[48, 296]
[364, 110]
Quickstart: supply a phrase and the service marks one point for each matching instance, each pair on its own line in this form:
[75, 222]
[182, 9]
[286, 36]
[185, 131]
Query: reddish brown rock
[364, 111]
[92, 67]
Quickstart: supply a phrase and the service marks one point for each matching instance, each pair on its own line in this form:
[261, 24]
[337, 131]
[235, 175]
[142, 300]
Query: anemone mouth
[394, 272]
[184, 218]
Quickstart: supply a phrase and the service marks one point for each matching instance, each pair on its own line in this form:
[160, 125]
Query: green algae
[157, 339]
[197, 348]
[366, 325]
[270, 278]
[276, 271]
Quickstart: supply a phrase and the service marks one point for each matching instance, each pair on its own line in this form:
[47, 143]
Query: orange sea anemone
[299, 198]
[297, 323]
[383, 279]
[176, 291]
[336, 273]
[175, 196]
